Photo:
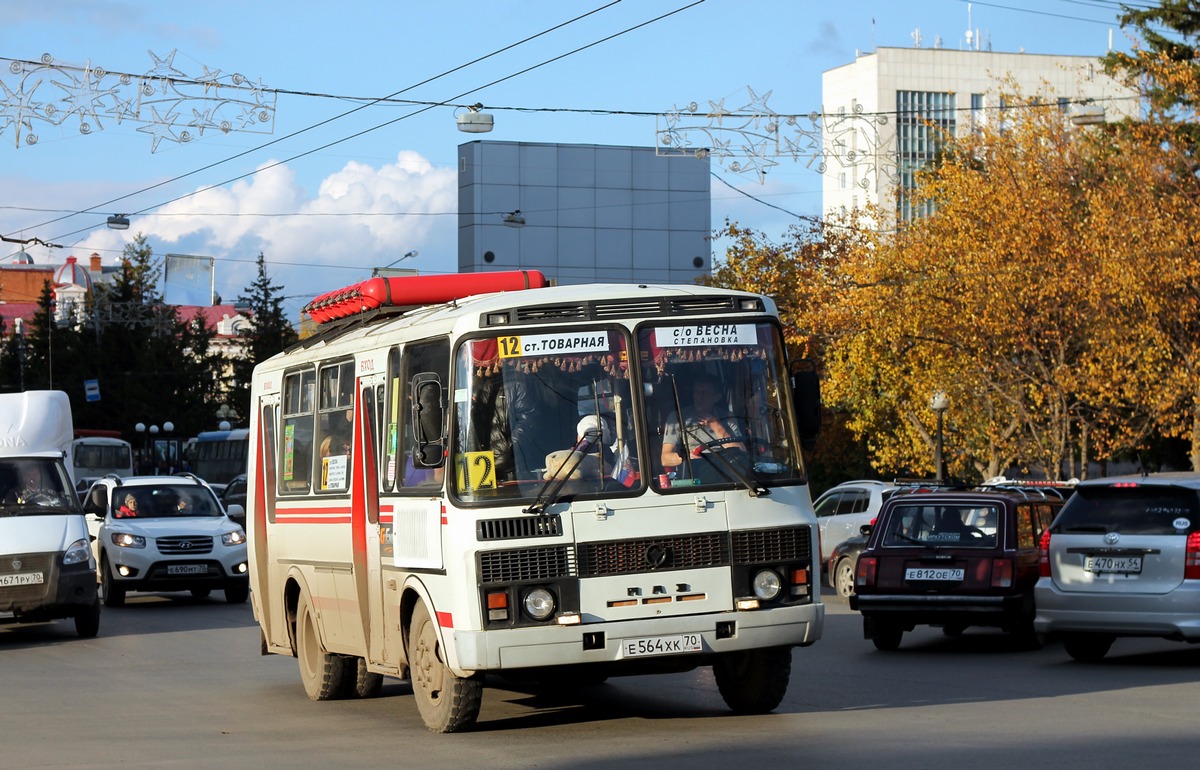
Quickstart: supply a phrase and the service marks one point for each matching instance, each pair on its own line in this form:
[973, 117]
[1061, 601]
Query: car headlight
[539, 603]
[126, 540]
[236, 537]
[78, 552]
[767, 584]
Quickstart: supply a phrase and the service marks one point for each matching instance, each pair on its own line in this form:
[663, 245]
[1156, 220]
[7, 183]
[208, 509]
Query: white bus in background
[96, 454]
[218, 456]
[463, 474]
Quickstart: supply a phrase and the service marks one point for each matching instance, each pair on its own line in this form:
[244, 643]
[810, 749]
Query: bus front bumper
[637, 642]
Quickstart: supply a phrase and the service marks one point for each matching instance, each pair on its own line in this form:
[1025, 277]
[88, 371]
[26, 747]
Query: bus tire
[237, 593]
[367, 684]
[447, 703]
[87, 620]
[114, 595]
[753, 681]
[324, 674]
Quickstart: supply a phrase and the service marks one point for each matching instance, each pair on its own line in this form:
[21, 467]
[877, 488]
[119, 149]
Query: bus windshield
[560, 414]
[531, 406]
[716, 406]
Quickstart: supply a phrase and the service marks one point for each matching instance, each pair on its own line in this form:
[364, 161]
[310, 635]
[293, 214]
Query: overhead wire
[387, 123]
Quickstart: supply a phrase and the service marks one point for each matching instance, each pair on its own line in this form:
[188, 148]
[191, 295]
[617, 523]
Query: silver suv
[1122, 559]
[165, 533]
[842, 510]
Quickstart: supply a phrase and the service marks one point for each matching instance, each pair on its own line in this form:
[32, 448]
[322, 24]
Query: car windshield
[1148, 509]
[165, 501]
[32, 486]
[940, 524]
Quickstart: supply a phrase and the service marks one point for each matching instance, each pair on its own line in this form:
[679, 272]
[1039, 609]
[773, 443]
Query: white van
[47, 570]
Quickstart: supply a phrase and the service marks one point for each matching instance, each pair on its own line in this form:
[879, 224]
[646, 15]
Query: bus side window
[432, 358]
[296, 450]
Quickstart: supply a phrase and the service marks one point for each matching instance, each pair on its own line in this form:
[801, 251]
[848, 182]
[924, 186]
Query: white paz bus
[482, 473]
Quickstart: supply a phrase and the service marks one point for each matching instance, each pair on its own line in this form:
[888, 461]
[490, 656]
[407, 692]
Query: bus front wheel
[447, 703]
[753, 681]
[324, 674]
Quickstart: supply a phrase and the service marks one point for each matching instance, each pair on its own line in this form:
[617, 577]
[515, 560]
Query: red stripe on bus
[445, 620]
[285, 519]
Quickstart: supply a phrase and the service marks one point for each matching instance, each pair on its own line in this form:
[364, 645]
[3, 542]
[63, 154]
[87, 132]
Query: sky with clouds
[334, 181]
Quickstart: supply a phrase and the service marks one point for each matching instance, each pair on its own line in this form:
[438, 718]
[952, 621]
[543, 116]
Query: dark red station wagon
[953, 559]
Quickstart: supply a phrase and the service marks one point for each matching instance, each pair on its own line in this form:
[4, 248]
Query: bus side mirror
[806, 395]
[428, 421]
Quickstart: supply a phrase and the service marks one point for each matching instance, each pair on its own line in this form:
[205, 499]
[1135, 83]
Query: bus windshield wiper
[755, 490]
[548, 494]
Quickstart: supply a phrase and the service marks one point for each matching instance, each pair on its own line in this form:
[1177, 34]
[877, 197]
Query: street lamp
[225, 413]
[939, 402]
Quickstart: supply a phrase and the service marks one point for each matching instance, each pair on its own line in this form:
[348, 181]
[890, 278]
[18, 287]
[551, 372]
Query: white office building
[583, 213]
[877, 109]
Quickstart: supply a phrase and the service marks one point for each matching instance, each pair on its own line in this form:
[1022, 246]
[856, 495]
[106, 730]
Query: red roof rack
[414, 291]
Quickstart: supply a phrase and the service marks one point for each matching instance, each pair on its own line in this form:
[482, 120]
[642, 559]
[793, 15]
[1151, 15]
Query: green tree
[269, 332]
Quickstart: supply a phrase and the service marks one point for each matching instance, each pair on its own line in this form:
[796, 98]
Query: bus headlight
[539, 603]
[767, 584]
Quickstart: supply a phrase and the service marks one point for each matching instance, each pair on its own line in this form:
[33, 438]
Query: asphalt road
[177, 682]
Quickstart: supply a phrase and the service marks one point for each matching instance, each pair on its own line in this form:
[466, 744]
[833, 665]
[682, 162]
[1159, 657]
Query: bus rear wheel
[324, 674]
[447, 703]
[753, 681]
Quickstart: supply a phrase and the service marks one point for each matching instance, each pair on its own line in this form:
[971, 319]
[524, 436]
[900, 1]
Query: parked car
[165, 533]
[843, 562]
[1122, 559]
[953, 559]
[841, 510]
[233, 497]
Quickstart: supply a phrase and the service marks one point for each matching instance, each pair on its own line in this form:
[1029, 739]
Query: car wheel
[886, 635]
[447, 703]
[323, 674]
[237, 593]
[87, 620]
[753, 681]
[114, 595]
[843, 578]
[1087, 648]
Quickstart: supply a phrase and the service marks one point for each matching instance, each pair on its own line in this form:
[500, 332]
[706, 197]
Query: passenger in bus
[128, 509]
[505, 406]
[338, 440]
[706, 425]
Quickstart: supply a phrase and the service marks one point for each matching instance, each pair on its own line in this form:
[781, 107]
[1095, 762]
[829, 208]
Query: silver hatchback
[1122, 558]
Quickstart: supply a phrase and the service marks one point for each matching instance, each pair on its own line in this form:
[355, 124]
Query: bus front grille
[524, 564]
[525, 526]
[765, 546]
[619, 557]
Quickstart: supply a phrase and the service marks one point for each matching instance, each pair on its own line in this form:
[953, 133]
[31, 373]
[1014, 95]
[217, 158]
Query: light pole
[939, 402]
[226, 413]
